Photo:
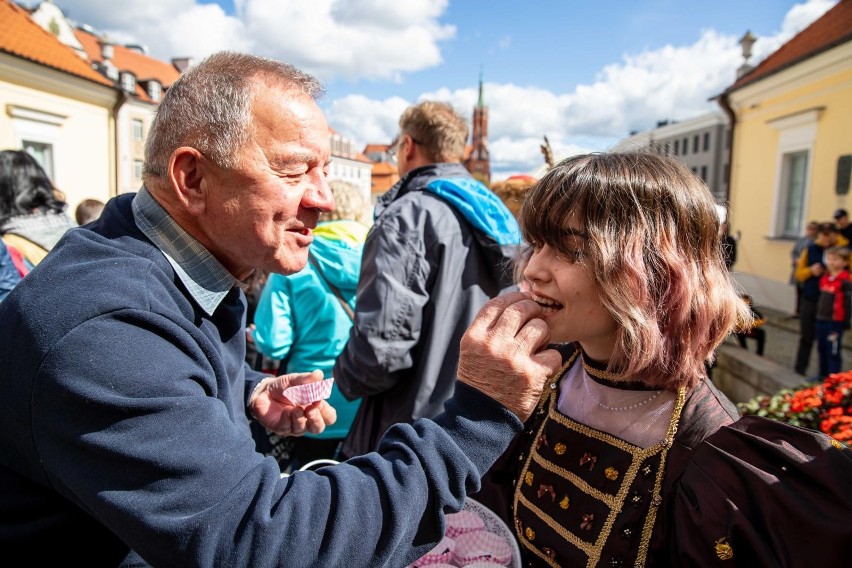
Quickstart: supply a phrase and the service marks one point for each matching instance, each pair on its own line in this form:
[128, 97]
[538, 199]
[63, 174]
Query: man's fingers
[533, 335]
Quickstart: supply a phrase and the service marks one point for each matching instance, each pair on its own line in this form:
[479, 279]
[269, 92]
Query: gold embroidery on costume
[589, 459]
[723, 549]
[836, 444]
[588, 530]
[546, 489]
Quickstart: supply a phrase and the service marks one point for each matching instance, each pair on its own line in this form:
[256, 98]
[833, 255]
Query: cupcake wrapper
[303, 395]
[482, 545]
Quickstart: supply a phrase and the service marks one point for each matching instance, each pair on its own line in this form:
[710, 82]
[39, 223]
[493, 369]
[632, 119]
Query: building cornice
[802, 74]
[43, 78]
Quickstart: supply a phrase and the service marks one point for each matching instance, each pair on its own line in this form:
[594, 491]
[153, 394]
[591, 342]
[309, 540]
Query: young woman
[633, 457]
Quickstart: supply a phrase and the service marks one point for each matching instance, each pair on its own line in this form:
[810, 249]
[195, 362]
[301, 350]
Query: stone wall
[743, 375]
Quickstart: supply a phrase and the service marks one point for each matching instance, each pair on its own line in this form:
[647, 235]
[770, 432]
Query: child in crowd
[88, 210]
[755, 330]
[633, 457]
[834, 308]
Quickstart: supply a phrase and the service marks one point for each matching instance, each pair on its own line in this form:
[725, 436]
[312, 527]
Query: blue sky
[582, 73]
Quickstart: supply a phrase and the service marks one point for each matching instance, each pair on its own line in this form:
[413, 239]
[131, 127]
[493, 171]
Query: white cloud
[356, 39]
[387, 39]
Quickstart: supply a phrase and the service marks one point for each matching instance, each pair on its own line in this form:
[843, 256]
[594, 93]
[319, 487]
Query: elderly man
[123, 387]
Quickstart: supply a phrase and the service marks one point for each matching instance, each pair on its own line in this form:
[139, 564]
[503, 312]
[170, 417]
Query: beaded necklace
[620, 408]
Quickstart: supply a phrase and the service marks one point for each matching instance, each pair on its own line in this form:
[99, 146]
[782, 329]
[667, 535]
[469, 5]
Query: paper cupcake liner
[303, 395]
[463, 522]
[482, 545]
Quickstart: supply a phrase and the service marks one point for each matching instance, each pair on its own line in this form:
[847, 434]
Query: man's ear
[409, 148]
[187, 168]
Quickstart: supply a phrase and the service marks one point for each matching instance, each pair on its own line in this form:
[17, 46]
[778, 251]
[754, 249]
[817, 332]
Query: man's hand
[277, 413]
[503, 353]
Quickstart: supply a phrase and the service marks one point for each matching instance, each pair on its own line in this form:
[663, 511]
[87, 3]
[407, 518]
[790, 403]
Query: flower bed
[825, 406]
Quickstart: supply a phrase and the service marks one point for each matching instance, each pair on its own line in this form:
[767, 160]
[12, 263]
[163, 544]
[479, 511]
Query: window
[797, 134]
[137, 169]
[794, 167]
[695, 144]
[706, 141]
[128, 82]
[43, 154]
[704, 173]
[685, 146]
[37, 132]
[155, 90]
[137, 129]
[677, 147]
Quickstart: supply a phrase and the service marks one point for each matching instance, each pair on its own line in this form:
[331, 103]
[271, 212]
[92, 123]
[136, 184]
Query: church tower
[478, 162]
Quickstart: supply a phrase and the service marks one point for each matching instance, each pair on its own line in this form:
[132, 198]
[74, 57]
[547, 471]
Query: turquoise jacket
[298, 314]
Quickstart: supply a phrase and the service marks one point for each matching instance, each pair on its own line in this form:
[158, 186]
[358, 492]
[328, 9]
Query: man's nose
[319, 195]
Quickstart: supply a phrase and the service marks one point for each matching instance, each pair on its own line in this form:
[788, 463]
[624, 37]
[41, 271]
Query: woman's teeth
[547, 305]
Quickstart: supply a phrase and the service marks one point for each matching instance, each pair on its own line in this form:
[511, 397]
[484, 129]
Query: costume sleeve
[764, 493]
[803, 269]
[273, 334]
[392, 293]
[138, 438]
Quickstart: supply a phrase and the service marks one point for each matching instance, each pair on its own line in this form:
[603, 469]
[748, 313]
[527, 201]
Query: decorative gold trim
[615, 503]
[657, 499]
[601, 374]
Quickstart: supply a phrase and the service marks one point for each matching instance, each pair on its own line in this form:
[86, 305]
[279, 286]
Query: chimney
[181, 63]
[107, 47]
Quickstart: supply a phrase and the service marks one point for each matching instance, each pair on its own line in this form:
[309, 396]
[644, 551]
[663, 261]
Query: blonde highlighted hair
[349, 203]
[439, 130]
[654, 251]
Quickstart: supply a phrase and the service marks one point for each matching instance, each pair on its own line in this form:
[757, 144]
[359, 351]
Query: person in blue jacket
[9, 274]
[124, 429]
[301, 319]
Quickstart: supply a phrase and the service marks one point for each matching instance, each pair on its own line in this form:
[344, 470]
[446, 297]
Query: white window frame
[32, 125]
[797, 134]
[134, 123]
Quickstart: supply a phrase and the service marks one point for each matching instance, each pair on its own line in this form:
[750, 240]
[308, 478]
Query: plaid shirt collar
[206, 279]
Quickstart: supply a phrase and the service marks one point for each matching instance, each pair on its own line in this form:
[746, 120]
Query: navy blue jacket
[123, 431]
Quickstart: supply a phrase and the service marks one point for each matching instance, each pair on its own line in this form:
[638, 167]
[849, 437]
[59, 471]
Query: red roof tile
[143, 66]
[832, 29]
[370, 148]
[21, 37]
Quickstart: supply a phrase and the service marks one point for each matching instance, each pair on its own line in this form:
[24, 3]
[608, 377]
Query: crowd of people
[549, 360]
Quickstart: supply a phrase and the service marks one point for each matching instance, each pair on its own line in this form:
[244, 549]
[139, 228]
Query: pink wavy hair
[654, 251]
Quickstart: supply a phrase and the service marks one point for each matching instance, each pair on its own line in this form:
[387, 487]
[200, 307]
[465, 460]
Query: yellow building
[54, 105]
[791, 151]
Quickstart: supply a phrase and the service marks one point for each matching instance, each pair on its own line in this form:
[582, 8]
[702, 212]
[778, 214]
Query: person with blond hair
[440, 247]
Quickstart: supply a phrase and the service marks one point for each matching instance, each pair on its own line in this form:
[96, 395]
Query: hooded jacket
[441, 246]
[299, 317]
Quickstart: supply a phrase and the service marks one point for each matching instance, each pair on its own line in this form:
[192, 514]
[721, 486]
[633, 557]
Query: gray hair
[348, 202]
[209, 107]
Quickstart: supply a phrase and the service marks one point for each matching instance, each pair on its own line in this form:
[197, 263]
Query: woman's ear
[186, 171]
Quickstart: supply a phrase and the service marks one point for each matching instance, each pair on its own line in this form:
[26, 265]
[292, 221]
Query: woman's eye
[571, 255]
